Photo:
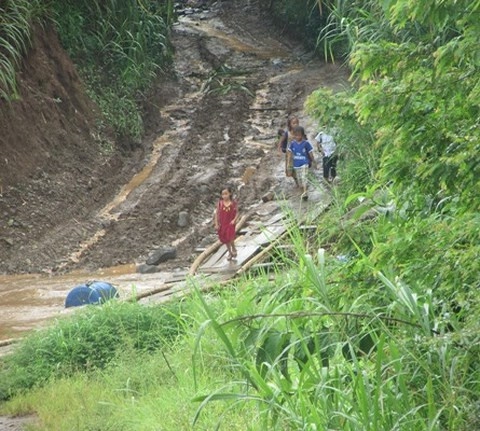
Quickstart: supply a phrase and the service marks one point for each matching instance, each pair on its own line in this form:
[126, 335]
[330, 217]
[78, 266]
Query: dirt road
[236, 78]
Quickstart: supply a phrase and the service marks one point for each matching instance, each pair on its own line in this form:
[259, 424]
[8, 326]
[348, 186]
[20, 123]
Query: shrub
[89, 340]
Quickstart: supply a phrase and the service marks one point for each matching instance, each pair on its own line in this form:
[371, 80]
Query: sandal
[229, 256]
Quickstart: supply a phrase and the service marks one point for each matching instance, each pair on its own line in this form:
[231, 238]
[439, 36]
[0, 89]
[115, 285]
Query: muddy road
[236, 79]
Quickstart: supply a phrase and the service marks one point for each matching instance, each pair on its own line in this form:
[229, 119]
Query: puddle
[215, 29]
[30, 301]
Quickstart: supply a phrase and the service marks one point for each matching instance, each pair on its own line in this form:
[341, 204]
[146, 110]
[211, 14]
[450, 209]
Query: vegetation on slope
[119, 47]
[16, 20]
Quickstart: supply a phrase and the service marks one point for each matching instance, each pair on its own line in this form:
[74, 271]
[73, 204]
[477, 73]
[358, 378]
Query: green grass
[16, 21]
[120, 48]
[90, 340]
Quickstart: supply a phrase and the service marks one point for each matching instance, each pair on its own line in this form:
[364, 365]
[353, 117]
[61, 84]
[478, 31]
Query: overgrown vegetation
[90, 342]
[16, 20]
[120, 46]
[373, 322]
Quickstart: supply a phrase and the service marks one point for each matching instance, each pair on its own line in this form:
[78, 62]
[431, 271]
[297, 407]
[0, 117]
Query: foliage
[147, 391]
[224, 80]
[314, 353]
[415, 116]
[16, 20]
[306, 349]
[120, 47]
[89, 340]
[335, 113]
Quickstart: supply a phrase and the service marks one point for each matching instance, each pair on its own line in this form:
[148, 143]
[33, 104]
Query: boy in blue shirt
[300, 151]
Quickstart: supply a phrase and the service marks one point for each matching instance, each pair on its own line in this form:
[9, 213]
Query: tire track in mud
[218, 149]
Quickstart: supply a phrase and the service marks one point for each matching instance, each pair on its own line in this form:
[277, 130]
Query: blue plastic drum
[94, 292]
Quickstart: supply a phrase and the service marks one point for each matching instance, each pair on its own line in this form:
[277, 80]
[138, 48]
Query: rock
[248, 174]
[161, 255]
[183, 219]
[277, 62]
[147, 269]
[268, 197]
[9, 241]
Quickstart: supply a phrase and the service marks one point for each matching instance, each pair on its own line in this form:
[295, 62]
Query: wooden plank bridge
[259, 231]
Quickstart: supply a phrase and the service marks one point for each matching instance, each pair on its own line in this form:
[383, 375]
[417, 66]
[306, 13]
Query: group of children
[299, 154]
[299, 158]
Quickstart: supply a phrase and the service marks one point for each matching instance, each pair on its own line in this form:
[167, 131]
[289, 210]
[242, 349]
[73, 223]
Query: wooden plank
[215, 258]
[269, 234]
[202, 256]
[220, 262]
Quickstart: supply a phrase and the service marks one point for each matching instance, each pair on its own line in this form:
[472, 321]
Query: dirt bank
[68, 203]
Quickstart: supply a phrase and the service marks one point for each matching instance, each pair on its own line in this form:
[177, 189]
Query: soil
[73, 198]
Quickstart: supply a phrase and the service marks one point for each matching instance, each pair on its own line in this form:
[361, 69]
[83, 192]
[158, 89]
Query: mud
[213, 123]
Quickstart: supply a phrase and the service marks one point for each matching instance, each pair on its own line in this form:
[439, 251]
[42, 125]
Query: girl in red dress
[226, 215]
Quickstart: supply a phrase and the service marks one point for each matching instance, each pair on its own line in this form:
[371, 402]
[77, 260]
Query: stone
[183, 219]
[147, 269]
[161, 255]
[268, 197]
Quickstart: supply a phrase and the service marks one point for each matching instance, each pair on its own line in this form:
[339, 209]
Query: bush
[89, 340]
[120, 47]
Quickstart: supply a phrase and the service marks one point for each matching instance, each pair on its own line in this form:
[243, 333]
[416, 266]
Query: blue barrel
[94, 292]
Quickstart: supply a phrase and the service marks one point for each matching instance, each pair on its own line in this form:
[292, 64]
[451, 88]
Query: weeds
[225, 80]
[89, 341]
[16, 20]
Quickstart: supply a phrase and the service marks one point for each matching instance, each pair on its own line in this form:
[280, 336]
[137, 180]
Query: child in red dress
[226, 215]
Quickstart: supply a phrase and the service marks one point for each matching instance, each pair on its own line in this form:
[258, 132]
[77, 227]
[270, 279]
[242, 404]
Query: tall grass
[120, 47]
[302, 348]
[16, 20]
[316, 353]
[89, 340]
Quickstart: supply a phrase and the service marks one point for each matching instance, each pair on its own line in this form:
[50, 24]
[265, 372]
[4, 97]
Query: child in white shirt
[327, 146]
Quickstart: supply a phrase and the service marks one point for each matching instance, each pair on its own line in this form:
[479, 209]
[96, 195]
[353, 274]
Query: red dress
[226, 230]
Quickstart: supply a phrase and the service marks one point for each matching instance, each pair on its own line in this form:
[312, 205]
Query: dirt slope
[67, 204]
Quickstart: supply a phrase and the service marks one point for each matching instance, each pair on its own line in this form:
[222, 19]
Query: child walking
[283, 143]
[225, 219]
[327, 146]
[300, 155]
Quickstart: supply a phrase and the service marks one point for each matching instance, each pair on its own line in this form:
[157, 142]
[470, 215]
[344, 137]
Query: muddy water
[31, 301]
